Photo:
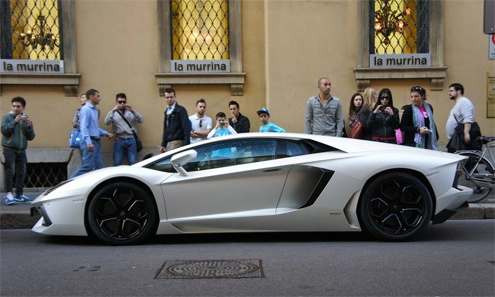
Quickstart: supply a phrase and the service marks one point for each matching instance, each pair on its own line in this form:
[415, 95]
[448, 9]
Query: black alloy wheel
[121, 214]
[395, 207]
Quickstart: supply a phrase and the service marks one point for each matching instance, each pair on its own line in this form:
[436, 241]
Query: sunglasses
[200, 123]
[417, 88]
[384, 98]
[122, 101]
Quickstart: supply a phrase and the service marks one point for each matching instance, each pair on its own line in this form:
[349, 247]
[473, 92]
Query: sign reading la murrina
[400, 61]
[31, 66]
[202, 66]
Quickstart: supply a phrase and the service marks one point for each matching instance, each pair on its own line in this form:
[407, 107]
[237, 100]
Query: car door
[246, 181]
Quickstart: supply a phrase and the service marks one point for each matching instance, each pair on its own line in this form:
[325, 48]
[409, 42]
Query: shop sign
[400, 61]
[31, 66]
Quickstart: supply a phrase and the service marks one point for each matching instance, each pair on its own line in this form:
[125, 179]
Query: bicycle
[478, 171]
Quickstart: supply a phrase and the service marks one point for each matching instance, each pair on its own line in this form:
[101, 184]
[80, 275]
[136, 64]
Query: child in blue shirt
[266, 125]
[222, 128]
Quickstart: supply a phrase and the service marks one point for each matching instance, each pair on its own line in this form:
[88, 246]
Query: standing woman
[370, 96]
[384, 118]
[418, 123]
[75, 118]
[359, 111]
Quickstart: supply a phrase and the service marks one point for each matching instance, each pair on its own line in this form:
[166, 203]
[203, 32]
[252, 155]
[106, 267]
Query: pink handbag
[398, 136]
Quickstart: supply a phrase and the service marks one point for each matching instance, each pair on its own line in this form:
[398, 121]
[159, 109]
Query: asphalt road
[456, 258]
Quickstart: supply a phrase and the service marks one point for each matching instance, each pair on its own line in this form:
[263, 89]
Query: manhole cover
[211, 269]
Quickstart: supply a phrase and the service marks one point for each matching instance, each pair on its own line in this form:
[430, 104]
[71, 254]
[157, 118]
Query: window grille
[200, 29]
[44, 175]
[413, 38]
[30, 29]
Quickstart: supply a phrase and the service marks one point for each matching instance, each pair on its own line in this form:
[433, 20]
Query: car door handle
[272, 170]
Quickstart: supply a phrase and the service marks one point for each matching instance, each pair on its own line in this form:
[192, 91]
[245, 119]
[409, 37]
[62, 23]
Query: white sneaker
[9, 199]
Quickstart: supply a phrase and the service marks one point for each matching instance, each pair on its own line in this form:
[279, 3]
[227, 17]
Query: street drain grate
[200, 269]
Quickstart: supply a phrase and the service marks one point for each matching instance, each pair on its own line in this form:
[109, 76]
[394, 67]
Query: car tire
[122, 214]
[395, 207]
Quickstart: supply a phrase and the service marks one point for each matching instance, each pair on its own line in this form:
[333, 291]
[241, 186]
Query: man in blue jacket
[17, 129]
[176, 124]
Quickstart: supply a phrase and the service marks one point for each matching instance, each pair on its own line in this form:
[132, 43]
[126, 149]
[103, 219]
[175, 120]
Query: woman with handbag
[384, 118]
[418, 122]
[358, 117]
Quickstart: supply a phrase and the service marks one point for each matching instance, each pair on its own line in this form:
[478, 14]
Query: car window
[231, 153]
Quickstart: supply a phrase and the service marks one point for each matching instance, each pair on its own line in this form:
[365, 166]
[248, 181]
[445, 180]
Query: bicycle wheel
[482, 178]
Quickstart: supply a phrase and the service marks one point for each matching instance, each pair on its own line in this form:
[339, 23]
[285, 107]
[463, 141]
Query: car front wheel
[122, 213]
[395, 207]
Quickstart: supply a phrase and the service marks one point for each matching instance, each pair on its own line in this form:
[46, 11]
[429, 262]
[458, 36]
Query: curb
[475, 211]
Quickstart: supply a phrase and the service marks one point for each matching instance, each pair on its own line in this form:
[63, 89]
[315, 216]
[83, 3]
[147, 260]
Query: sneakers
[22, 198]
[9, 199]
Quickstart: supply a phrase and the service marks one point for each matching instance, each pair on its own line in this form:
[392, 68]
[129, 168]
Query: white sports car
[260, 182]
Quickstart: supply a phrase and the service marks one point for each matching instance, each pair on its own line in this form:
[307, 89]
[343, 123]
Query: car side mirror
[181, 159]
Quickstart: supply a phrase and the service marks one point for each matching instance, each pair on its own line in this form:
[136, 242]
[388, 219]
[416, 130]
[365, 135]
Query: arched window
[401, 30]
[200, 30]
[399, 26]
[32, 30]
[200, 44]
[37, 44]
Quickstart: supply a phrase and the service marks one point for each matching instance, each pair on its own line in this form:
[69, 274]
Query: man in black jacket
[239, 122]
[176, 124]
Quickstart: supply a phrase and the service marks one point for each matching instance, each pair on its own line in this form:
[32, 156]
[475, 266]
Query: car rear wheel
[395, 207]
[122, 213]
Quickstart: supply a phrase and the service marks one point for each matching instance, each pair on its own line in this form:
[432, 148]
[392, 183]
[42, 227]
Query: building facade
[259, 53]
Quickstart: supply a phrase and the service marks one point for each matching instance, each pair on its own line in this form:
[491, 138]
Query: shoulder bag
[139, 144]
[357, 129]
[75, 138]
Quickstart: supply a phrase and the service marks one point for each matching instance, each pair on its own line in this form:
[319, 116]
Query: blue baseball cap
[263, 110]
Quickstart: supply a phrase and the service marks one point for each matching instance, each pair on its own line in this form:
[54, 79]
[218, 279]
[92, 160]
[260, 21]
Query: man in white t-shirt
[461, 112]
[201, 124]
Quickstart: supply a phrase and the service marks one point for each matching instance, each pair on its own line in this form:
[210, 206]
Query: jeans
[15, 162]
[90, 160]
[123, 146]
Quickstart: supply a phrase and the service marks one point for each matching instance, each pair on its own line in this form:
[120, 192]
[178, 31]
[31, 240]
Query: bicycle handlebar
[485, 139]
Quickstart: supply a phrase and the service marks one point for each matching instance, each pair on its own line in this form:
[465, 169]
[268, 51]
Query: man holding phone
[17, 130]
[123, 119]
[222, 127]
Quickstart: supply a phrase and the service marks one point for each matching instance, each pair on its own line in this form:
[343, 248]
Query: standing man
[324, 115]
[17, 129]
[124, 119]
[201, 124]
[176, 124]
[462, 112]
[239, 122]
[91, 134]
